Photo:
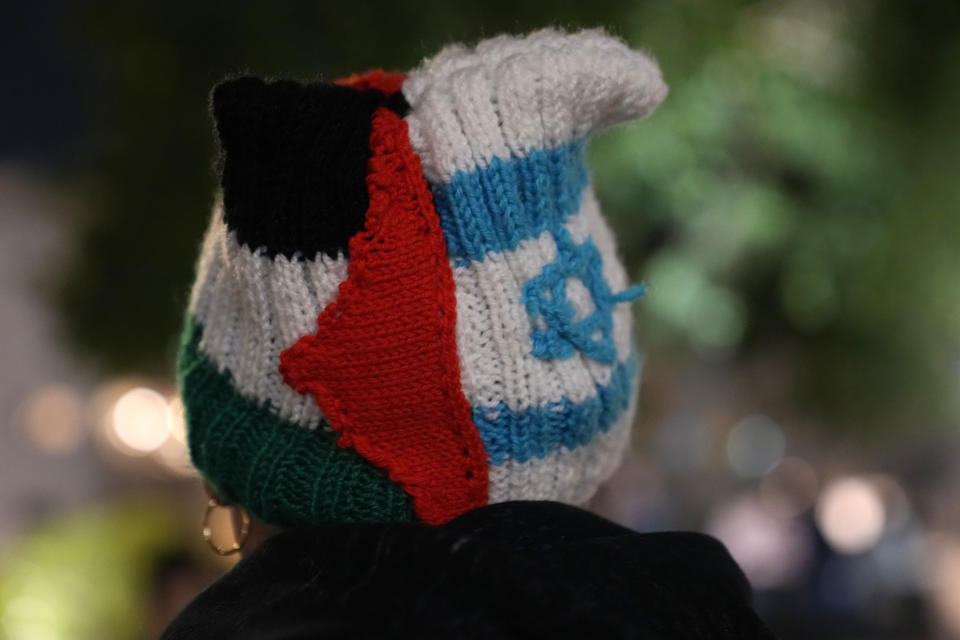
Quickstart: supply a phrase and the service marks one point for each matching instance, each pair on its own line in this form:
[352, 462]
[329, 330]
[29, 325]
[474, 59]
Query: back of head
[408, 303]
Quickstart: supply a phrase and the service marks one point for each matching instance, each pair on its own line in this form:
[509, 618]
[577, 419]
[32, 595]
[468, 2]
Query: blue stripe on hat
[535, 433]
[497, 207]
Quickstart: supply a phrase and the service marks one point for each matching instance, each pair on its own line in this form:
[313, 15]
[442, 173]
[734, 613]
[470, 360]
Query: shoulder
[521, 569]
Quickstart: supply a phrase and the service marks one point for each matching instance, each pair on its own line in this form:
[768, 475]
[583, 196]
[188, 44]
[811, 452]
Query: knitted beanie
[408, 304]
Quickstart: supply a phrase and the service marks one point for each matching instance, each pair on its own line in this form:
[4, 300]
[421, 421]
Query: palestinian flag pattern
[408, 303]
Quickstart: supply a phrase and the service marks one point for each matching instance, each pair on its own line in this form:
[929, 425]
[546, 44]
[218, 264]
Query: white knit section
[570, 476]
[252, 307]
[593, 224]
[511, 94]
[494, 328]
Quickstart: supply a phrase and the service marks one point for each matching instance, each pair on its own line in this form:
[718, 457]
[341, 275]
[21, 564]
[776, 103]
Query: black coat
[511, 570]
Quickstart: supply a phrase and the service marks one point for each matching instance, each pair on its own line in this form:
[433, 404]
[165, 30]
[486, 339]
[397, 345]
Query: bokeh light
[173, 455]
[140, 420]
[850, 514]
[52, 419]
[755, 444]
[898, 512]
[770, 550]
[176, 419]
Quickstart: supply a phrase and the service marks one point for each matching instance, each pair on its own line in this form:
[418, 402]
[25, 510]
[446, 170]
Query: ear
[294, 163]
[511, 95]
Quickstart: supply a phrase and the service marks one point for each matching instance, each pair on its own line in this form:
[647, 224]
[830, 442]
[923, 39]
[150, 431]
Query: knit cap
[408, 303]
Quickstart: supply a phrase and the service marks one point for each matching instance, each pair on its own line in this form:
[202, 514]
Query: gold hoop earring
[240, 536]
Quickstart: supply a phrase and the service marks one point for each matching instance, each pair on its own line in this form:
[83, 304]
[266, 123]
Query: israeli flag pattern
[544, 321]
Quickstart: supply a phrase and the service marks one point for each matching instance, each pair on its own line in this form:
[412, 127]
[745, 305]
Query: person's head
[408, 304]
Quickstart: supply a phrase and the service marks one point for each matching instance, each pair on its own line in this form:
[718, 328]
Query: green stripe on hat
[283, 473]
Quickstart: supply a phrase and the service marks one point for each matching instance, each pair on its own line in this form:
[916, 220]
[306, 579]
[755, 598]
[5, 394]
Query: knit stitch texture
[285, 473]
[404, 412]
[408, 303]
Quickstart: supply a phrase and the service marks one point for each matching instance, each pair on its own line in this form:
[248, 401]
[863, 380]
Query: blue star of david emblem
[557, 333]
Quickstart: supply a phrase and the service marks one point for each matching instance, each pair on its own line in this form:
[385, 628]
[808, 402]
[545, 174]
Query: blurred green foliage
[795, 192]
[85, 576]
